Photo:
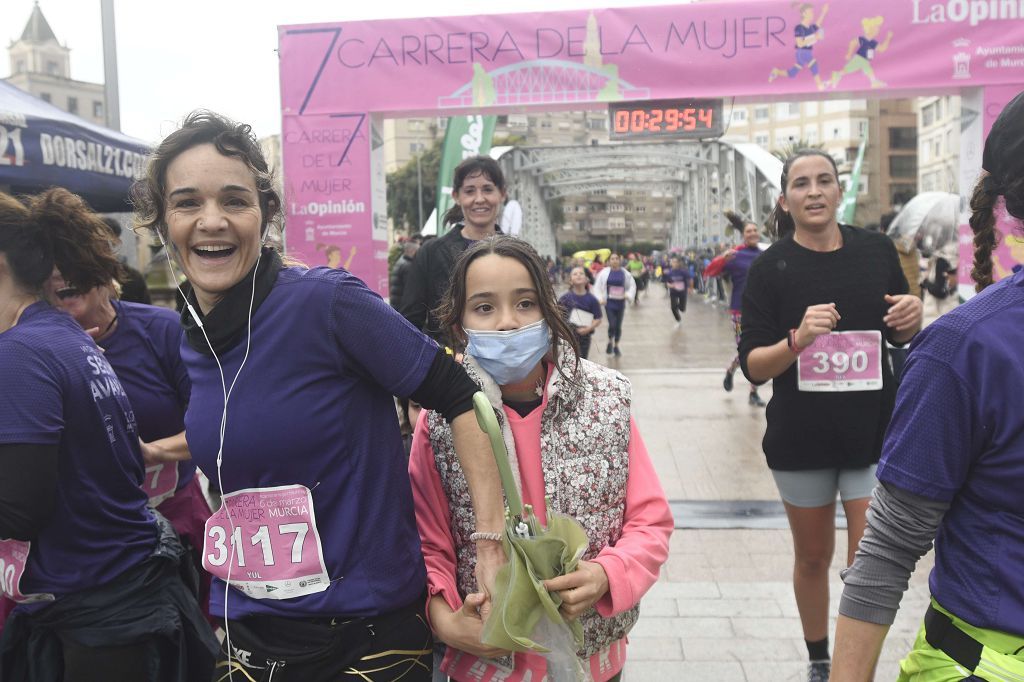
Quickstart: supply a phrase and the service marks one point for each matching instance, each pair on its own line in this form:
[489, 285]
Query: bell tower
[38, 51]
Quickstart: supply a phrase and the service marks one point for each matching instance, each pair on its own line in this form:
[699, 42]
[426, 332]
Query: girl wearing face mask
[570, 436]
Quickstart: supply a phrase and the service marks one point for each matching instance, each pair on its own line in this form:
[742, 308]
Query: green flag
[849, 204]
[465, 136]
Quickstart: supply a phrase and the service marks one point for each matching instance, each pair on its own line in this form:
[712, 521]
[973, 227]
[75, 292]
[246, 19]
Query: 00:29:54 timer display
[658, 120]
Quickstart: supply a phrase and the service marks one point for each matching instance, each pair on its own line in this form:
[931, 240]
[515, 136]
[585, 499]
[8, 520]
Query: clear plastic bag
[563, 663]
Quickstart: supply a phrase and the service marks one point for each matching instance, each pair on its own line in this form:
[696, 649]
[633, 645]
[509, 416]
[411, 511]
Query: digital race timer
[677, 119]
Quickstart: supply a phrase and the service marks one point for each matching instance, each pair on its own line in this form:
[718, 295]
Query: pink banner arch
[337, 80]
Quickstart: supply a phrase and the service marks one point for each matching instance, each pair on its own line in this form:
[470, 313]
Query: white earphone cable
[226, 391]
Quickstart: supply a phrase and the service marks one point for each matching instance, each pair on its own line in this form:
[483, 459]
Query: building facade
[938, 144]
[40, 65]
[618, 217]
[404, 138]
[888, 176]
[612, 217]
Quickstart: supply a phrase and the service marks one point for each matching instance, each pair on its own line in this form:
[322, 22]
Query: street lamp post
[110, 86]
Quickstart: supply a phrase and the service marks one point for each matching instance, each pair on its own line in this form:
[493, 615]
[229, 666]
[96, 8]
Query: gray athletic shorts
[817, 487]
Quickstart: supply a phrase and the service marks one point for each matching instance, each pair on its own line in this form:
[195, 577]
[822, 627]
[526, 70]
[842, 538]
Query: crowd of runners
[323, 549]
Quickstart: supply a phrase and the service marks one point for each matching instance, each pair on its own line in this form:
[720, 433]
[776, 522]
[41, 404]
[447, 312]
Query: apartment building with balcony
[938, 143]
[889, 173]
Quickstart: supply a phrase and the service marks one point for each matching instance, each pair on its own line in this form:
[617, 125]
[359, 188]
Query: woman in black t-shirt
[816, 309]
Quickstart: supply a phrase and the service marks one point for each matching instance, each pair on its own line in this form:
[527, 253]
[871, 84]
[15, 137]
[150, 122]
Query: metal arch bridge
[705, 178]
[544, 81]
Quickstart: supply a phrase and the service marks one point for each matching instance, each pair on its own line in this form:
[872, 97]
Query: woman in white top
[613, 286]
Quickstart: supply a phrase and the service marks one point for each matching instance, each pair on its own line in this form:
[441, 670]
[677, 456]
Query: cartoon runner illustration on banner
[333, 254]
[807, 33]
[865, 46]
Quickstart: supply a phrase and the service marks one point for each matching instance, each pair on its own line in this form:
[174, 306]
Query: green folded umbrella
[535, 554]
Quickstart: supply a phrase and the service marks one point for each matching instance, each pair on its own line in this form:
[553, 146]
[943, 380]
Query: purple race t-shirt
[313, 406]
[957, 436]
[56, 388]
[738, 267]
[570, 300]
[145, 351]
[676, 277]
[616, 278]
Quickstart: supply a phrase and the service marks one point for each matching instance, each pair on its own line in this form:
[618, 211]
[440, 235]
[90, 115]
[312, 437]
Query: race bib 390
[842, 361]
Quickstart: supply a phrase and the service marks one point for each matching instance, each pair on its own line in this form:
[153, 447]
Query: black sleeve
[28, 488]
[758, 322]
[446, 388]
[416, 291]
[395, 284]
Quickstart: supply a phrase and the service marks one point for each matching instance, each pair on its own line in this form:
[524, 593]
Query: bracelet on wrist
[794, 347]
[477, 537]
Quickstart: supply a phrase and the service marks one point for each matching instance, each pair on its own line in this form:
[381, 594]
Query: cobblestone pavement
[724, 607]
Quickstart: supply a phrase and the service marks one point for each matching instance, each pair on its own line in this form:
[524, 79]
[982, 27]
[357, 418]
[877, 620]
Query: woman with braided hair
[952, 470]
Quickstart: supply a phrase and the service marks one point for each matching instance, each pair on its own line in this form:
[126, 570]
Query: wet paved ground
[724, 607]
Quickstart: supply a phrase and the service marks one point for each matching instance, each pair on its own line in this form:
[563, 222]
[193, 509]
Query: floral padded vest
[584, 450]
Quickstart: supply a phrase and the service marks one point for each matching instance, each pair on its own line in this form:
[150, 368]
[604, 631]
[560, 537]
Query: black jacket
[149, 604]
[428, 279]
[399, 275]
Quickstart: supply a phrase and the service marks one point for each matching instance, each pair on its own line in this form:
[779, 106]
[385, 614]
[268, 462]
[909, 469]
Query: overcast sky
[181, 55]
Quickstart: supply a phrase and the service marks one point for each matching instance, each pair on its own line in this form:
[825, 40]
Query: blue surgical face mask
[509, 357]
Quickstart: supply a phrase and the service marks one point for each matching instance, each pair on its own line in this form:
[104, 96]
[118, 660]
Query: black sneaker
[727, 381]
[818, 671]
[617, 352]
[608, 350]
[755, 399]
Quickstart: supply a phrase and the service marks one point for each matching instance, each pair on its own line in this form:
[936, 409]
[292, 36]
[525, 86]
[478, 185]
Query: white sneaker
[677, 325]
[819, 671]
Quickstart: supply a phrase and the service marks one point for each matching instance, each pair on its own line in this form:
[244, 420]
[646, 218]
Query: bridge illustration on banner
[543, 81]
